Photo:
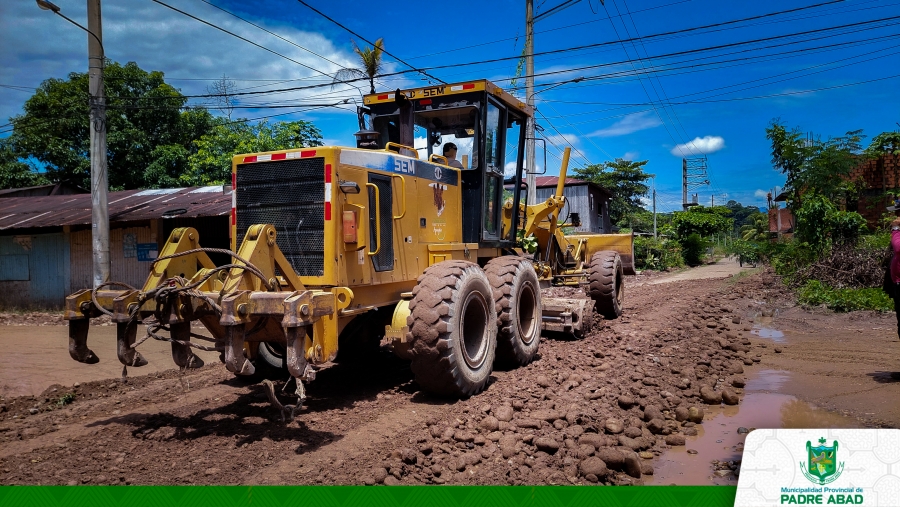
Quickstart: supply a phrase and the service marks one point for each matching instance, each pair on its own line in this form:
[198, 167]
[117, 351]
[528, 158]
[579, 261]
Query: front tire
[606, 284]
[517, 295]
[453, 329]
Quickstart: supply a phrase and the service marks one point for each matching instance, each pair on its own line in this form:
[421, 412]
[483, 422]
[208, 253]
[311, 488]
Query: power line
[667, 55]
[678, 122]
[588, 162]
[580, 132]
[775, 21]
[693, 51]
[673, 32]
[791, 53]
[538, 32]
[642, 83]
[798, 92]
[278, 36]
[320, 13]
[237, 36]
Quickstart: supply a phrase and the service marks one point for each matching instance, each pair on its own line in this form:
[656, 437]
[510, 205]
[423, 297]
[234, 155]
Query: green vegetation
[370, 58]
[65, 399]
[154, 140]
[657, 254]
[815, 293]
[627, 182]
[833, 259]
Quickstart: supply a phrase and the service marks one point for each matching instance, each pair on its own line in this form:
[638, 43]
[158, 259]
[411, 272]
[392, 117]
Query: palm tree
[757, 229]
[371, 65]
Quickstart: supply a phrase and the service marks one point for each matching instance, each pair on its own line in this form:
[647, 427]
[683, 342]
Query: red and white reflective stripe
[233, 198]
[459, 88]
[279, 156]
[327, 191]
[387, 96]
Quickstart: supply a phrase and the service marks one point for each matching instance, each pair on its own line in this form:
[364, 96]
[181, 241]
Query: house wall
[124, 263]
[584, 200]
[878, 176]
[787, 220]
[34, 270]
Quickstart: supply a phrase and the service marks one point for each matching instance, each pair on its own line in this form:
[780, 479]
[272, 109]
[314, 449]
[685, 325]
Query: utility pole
[529, 94]
[712, 201]
[654, 208]
[99, 178]
[684, 183]
[99, 182]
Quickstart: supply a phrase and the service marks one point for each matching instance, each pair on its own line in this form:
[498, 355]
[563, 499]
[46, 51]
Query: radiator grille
[384, 259]
[290, 195]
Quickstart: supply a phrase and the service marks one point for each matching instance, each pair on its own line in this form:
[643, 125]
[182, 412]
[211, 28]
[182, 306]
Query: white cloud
[39, 45]
[760, 193]
[631, 155]
[700, 145]
[562, 140]
[629, 124]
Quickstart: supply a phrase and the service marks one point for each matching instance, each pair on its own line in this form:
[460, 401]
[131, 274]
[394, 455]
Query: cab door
[492, 189]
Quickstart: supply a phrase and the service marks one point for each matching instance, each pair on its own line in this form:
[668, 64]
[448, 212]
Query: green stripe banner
[353, 496]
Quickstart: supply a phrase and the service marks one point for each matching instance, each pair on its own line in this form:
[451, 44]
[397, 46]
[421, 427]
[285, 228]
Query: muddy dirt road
[662, 395]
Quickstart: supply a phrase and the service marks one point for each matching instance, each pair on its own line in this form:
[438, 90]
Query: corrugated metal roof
[127, 205]
[550, 181]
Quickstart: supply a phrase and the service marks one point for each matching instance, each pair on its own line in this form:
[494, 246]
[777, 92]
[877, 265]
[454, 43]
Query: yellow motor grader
[381, 241]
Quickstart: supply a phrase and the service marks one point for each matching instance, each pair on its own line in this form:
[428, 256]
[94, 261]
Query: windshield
[436, 129]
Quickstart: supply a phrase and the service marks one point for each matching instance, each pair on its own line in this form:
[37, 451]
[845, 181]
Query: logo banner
[820, 467]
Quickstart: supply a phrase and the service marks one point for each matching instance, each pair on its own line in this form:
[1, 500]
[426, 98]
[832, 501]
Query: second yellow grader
[347, 244]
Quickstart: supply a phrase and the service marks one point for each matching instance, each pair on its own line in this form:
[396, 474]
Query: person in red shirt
[895, 275]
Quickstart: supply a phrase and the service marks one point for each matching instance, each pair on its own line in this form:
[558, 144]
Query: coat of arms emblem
[823, 466]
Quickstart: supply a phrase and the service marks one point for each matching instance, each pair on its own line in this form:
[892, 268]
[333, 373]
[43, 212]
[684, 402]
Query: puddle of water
[718, 439]
[768, 332]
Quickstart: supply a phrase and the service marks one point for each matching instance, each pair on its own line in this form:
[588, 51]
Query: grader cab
[418, 249]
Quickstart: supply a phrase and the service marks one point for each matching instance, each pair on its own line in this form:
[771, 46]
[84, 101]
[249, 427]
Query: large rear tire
[453, 329]
[517, 295]
[606, 284]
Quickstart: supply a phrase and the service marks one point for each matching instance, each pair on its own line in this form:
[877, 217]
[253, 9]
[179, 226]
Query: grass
[816, 293]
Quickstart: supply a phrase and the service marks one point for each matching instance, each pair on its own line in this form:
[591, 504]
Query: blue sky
[655, 98]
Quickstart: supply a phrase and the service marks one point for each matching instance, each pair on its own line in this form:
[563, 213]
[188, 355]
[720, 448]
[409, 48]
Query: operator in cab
[450, 153]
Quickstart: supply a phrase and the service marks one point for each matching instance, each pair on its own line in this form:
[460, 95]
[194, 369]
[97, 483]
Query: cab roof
[452, 89]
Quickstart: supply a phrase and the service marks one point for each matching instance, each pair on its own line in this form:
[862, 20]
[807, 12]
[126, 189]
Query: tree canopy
[885, 142]
[211, 164]
[153, 139]
[742, 215]
[144, 121]
[15, 173]
[370, 58]
[703, 220]
[626, 180]
[812, 165]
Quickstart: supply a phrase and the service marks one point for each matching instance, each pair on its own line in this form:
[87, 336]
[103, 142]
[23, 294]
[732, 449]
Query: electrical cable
[320, 13]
